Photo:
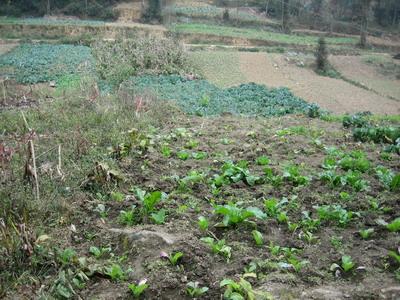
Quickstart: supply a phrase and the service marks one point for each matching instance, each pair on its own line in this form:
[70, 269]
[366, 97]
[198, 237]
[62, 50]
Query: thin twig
[34, 169]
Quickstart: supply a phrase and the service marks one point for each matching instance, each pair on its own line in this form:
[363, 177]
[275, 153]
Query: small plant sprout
[127, 217]
[203, 223]
[394, 226]
[173, 257]
[166, 150]
[183, 155]
[234, 214]
[258, 237]
[159, 217]
[194, 290]
[99, 252]
[218, 247]
[138, 289]
[242, 289]
[366, 233]
[115, 272]
[262, 160]
[346, 264]
[117, 196]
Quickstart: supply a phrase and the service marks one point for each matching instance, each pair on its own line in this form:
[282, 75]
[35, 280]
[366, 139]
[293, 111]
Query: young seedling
[159, 217]
[218, 247]
[115, 272]
[242, 289]
[258, 237]
[194, 290]
[394, 226]
[117, 196]
[67, 256]
[173, 257]
[262, 160]
[203, 223]
[166, 151]
[99, 252]
[346, 265]
[234, 214]
[138, 289]
[366, 233]
[183, 155]
[127, 217]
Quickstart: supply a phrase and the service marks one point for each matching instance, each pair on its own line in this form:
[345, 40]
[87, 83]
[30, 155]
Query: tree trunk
[364, 22]
[285, 16]
[48, 7]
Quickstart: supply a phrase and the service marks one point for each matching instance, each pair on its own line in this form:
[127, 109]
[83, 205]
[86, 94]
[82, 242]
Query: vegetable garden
[170, 187]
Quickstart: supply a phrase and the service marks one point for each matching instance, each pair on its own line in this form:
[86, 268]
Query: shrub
[225, 15]
[118, 60]
[153, 11]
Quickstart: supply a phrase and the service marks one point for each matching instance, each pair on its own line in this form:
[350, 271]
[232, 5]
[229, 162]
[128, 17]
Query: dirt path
[333, 94]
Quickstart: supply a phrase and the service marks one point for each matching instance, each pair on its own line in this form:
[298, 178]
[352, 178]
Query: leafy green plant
[67, 256]
[241, 289]
[203, 223]
[292, 173]
[394, 226]
[199, 155]
[173, 258]
[258, 237]
[346, 264]
[218, 247]
[127, 217]
[115, 272]
[335, 213]
[159, 217]
[355, 161]
[366, 233]
[149, 200]
[166, 150]
[183, 155]
[357, 120]
[194, 290]
[138, 289]
[234, 214]
[99, 252]
[262, 160]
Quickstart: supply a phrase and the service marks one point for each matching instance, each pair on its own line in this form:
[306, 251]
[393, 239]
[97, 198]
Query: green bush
[121, 59]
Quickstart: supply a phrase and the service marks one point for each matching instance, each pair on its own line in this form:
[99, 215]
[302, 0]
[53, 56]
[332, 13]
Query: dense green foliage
[33, 63]
[203, 98]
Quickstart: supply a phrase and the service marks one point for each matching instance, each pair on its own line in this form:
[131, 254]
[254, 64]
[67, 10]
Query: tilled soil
[332, 94]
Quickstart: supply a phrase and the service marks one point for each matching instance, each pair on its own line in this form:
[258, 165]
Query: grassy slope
[256, 34]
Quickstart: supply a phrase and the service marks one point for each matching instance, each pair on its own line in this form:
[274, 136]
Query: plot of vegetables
[33, 63]
[203, 98]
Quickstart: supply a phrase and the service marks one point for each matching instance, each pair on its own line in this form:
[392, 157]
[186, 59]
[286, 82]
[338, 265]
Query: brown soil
[248, 139]
[354, 68]
[332, 94]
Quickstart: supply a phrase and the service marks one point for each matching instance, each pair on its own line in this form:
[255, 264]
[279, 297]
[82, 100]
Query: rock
[146, 237]
[323, 293]
[52, 84]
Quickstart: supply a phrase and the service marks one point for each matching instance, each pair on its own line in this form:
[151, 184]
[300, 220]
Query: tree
[365, 5]
[321, 56]
[285, 16]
